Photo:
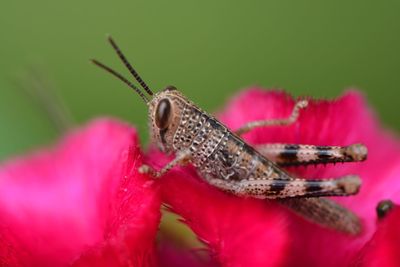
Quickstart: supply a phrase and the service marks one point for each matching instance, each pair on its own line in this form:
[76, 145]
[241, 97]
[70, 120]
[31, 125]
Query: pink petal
[343, 121]
[172, 255]
[81, 202]
[239, 232]
[383, 250]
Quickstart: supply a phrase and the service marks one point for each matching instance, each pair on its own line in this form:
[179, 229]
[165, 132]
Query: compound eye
[163, 114]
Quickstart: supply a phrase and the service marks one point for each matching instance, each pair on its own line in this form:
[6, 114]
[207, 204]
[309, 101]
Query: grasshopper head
[165, 111]
[165, 107]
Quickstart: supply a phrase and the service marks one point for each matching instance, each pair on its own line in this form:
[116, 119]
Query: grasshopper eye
[163, 113]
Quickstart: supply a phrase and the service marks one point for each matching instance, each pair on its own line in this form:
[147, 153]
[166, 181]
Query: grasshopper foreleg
[180, 159]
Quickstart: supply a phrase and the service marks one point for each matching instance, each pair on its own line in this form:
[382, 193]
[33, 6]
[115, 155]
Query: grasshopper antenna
[122, 78]
[129, 66]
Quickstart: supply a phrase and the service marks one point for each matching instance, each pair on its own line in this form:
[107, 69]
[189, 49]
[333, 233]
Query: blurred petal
[239, 232]
[82, 202]
[172, 255]
[343, 121]
[383, 250]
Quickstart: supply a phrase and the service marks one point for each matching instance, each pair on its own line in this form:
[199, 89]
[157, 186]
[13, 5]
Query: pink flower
[82, 203]
[244, 232]
[384, 247]
[239, 232]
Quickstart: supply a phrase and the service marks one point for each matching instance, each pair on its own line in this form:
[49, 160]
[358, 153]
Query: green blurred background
[208, 49]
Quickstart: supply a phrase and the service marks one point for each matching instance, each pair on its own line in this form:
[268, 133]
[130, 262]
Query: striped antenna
[129, 66]
[122, 78]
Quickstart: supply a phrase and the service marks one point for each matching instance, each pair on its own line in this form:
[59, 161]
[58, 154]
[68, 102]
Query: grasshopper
[224, 160]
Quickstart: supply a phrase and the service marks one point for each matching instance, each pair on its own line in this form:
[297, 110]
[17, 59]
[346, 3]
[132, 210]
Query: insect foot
[146, 169]
[302, 104]
[350, 184]
[357, 152]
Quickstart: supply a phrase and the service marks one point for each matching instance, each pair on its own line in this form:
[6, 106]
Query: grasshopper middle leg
[180, 159]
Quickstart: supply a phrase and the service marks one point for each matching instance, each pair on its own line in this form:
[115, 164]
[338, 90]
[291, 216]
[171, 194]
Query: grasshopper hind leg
[295, 196]
[326, 213]
[308, 205]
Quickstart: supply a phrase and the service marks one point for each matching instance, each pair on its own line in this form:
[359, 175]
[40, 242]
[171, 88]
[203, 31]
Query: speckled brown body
[226, 161]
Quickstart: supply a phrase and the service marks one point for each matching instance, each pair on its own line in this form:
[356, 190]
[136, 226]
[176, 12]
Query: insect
[227, 162]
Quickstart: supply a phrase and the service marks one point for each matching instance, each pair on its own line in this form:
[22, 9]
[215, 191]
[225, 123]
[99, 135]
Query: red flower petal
[172, 255]
[341, 122]
[383, 250]
[84, 201]
[239, 232]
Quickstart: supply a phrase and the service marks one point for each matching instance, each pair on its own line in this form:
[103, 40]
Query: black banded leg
[179, 159]
[285, 187]
[291, 154]
[274, 122]
[326, 213]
